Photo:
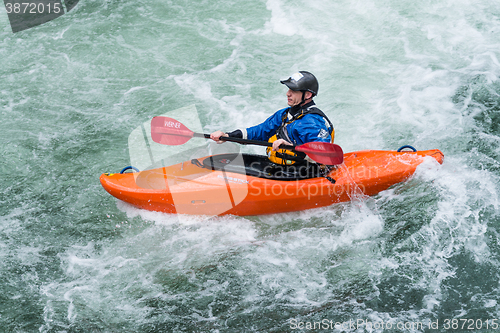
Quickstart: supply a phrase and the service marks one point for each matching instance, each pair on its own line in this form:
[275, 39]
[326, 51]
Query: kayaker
[299, 123]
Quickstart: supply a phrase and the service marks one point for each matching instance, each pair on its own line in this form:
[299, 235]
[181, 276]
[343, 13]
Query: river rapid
[423, 256]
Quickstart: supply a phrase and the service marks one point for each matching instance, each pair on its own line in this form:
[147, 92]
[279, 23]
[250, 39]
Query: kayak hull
[187, 188]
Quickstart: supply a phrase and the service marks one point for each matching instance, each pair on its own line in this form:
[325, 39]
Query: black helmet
[302, 81]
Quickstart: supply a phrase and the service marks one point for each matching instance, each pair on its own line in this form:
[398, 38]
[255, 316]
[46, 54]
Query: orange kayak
[240, 184]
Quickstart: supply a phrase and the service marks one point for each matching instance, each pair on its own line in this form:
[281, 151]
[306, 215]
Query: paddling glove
[235, 134]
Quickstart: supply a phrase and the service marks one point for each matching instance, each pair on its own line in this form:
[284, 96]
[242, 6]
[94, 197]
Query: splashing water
[391, 73]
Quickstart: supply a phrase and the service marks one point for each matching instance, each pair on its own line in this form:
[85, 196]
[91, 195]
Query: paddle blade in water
[323, 152]
[168, 131]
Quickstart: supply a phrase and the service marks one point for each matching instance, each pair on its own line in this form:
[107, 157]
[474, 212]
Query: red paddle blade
[323, 152]
[169, 131]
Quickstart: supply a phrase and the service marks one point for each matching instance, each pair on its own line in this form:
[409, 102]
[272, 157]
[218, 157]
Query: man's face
[294, 97]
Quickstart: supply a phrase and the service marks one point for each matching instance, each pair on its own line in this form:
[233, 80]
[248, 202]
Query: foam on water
[391, 73]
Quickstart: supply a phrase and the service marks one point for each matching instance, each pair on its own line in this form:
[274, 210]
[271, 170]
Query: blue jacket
[308, 128]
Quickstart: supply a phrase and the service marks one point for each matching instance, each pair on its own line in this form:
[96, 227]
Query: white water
[391, 73]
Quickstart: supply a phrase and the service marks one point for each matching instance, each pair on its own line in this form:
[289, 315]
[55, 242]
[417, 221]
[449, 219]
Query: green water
[74, 259]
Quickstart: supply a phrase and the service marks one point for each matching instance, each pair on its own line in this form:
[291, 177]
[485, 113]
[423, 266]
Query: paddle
[168, 131]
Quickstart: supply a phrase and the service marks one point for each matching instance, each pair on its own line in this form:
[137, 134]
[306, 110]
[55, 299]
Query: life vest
[288, 157]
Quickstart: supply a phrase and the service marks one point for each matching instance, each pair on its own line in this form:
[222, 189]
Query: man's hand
[216, 136]
[279, 142]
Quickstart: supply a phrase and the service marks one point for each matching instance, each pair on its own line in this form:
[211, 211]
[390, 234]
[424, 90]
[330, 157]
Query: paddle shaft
[244, 141]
